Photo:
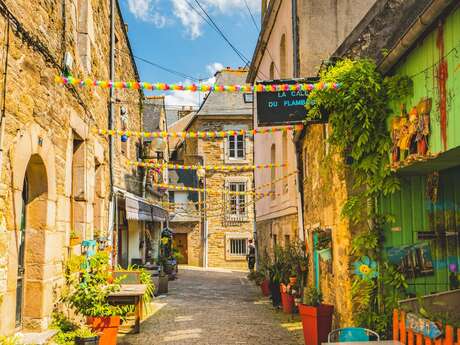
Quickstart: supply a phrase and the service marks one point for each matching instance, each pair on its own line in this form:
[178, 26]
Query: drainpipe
[3, 116]
[110, 126]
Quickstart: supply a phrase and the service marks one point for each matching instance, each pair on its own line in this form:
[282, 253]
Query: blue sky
[170, 33]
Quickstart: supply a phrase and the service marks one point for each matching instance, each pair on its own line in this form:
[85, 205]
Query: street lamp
[201, 173]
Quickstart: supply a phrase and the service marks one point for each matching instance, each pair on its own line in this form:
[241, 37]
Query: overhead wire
[258, 29]
[166, 69]
[239, 53]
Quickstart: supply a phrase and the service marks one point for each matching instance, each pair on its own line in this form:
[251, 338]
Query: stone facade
[54, 172]
[274, 58]
[325, 189]
[220, 111]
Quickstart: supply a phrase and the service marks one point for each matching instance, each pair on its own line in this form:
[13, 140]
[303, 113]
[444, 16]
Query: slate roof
[179, 126]
[152, 108]
[227, 103]
[381, 29]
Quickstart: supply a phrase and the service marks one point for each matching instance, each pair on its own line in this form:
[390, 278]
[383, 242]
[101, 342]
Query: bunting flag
[206, 167]
[210, 191]
[201, 135]
[246, 88]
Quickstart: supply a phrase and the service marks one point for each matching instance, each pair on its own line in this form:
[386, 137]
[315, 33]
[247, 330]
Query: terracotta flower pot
[107, 327]
[316, 323]
[264, 286]
[287, 302]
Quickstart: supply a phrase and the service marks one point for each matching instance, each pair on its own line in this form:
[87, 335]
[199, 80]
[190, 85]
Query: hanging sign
[283, 107]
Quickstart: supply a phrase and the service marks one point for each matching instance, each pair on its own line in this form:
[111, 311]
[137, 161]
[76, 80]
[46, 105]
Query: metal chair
[352, 334]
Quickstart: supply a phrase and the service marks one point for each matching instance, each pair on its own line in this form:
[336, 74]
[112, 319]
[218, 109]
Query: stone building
[216, 235]
[394, 27]
[54, 175]
[289, 49]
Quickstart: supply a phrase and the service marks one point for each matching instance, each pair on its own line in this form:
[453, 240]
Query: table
[130, 294]
[381, 342]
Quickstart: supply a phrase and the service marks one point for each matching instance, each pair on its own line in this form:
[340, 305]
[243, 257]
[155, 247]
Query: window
[237, 203]
[283, 70]
[236, 147]
[285, 161]
[238, 246]
[287, 239]
[272, 71]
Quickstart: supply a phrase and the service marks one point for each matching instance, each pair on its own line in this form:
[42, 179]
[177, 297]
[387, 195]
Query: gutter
[420, 25]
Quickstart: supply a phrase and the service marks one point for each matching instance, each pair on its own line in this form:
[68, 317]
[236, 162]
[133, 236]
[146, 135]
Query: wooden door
[180, 242]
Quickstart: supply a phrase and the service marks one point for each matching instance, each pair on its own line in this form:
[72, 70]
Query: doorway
[31, 243]
[180, 243]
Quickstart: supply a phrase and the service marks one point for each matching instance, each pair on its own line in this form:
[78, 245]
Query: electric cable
[240, 54]
[166, 69]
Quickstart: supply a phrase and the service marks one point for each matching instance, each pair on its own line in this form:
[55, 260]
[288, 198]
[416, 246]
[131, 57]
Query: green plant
[177, 254]
[85, 332]
[312, 296]
[358, 114]
[89, 291]
[10, 340]
[145, 278]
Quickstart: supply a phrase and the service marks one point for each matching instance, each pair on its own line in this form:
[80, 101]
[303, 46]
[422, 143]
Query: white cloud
[189, 18]
[214, 67]
[193, 21]
[147, 11]
[187, 98]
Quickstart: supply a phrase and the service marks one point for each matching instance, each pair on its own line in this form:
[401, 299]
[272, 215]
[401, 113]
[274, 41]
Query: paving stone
[215, 308]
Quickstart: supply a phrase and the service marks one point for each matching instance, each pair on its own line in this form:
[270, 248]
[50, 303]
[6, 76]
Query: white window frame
[229, 236]
[226, 145]
[235, 151]
[240, 201]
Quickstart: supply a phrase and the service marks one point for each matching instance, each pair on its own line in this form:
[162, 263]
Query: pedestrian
[251, 256]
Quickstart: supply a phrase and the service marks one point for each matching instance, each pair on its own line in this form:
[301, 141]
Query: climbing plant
[358, 114]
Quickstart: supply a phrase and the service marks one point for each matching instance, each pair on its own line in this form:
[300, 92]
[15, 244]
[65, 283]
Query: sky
[172, 34]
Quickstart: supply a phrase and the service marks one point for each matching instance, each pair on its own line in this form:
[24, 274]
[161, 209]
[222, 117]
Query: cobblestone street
[219, 309]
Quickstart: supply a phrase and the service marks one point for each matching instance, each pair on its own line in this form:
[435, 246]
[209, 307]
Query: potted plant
[316, 317]
[85, 336]
[74, 239]
[89, 297]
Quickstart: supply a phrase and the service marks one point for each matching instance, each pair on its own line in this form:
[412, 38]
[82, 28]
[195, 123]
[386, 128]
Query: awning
[138, 208]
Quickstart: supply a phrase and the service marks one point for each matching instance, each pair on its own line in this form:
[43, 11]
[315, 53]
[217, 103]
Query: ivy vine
[358, 114]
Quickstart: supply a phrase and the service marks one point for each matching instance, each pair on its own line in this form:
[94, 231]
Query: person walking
[251, 256]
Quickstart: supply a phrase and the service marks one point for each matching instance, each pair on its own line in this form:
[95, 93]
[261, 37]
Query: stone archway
[35, 224]
[34, 196]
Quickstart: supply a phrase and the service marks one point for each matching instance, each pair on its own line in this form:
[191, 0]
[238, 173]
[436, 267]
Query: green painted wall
[414, 212]
[411, 207]
[421, 64]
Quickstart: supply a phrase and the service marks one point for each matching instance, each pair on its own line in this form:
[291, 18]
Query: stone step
[41, 338]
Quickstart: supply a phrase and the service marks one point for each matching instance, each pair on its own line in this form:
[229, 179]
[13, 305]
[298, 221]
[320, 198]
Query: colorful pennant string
[195, 87]
[206, 167]
[201, 135]
[210, 191]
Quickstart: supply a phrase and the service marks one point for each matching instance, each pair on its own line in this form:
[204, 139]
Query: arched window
[273, 171]
[283, 67]
[272, 71]
[285, 161]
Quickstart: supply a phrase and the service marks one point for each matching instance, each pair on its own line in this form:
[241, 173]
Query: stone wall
[326, 188]
[43, 121]
[220, 229]
[280, 230]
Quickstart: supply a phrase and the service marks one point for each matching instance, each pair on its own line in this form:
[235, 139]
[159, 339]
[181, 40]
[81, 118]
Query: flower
[366, 268]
